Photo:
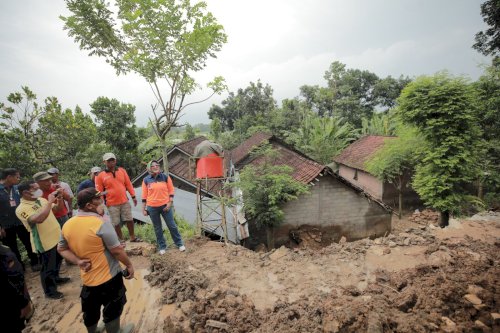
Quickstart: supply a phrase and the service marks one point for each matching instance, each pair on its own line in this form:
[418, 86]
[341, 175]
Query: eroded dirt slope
[418, 279]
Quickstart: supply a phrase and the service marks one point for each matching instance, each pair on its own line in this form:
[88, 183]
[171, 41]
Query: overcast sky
[284, 43]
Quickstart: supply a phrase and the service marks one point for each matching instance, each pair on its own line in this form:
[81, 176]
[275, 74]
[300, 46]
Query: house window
[355, 174]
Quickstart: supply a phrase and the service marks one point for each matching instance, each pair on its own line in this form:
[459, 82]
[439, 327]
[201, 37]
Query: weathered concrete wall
[384, 191]
[366, 181]
[335, 210]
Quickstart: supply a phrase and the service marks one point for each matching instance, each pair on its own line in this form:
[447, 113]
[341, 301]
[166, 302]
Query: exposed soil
[420, 278]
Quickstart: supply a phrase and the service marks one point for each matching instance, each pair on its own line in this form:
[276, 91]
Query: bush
[147, 233]
[492, 201]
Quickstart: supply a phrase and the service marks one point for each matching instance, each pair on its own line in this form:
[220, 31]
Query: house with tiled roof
[351, 165]
[333, 208]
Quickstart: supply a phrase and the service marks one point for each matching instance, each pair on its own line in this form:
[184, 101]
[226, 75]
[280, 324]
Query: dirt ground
[419, 278]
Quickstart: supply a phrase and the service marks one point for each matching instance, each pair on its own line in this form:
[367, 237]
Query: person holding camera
[44, 181]
[36, 213]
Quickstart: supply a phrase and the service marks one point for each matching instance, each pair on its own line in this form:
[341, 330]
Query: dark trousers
[110, 294]
[51, 261]
[10, 240]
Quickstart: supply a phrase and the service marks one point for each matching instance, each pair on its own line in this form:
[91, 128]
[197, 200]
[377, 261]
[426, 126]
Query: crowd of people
[39, 212]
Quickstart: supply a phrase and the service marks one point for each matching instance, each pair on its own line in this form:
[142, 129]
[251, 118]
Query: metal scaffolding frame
[211, 208]
[210, 204]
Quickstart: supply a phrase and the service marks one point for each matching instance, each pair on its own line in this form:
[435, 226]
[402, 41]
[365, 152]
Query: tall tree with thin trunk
[164, 41]
[442, 109]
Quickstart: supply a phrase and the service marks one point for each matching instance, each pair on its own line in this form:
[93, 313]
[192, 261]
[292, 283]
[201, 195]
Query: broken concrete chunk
[439, 258]
[473, 289]
[481, 325]
[217, 324]
[279, 253]
[448, 325]
[473, 299]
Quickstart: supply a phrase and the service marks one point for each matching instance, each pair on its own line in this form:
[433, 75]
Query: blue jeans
[168, 217]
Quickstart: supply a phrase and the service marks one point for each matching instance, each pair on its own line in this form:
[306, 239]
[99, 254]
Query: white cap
[108, 156]
[95, 169]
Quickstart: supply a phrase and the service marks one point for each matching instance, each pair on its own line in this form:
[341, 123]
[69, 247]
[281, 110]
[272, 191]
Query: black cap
[87, 195]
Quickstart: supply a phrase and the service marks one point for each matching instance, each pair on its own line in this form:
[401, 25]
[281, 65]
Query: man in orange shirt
[115, 182]
[89, 241]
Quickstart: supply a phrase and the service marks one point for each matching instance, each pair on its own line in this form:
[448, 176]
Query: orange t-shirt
[116, 184]
[157, 191]
[89, 236]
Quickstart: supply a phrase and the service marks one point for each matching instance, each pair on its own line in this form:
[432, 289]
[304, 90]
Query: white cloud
[285, 43]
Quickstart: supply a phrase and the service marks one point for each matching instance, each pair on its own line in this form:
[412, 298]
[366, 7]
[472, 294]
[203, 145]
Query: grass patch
[147, 233]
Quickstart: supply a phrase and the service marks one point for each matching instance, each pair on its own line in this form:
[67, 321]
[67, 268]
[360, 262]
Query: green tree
[248, 107]
[36, 137]
[396, 160]
[488, 41]
[161, 40]
[318, 99]
[266, 186]
[289, 118]
[488, 115]
[378, 124]
[442, 109]
[189, 132]
[117, 128]
[352, 91]
[352, 94]
[387, 90]
[322, 138]
[20, 145]
[215, 128]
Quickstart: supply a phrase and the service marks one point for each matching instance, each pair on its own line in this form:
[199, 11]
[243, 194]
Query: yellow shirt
[89, 236]
[45, 235]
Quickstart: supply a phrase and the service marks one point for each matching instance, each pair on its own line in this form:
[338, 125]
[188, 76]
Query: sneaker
[62, 280]
[162, 252]
[55, 295]
[182, 248]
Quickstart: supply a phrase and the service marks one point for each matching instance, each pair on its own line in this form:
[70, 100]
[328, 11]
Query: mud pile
[456, 290]
[424, 217]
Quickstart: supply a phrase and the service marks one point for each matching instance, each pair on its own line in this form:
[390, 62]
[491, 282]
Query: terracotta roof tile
[243, 150]
[304, 168]
[356, 154]
[189, 145]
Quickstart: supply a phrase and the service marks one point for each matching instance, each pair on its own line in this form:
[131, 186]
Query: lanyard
[11, 197]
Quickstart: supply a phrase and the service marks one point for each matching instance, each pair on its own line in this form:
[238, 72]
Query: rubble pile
[425, 217]
[454, 290]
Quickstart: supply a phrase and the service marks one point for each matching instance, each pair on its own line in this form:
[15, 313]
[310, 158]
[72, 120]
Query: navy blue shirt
[89, 183]
[8, 216]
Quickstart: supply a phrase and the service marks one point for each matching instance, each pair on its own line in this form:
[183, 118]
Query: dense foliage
[162, 41]
[488, 41]
[442, 109]
[36, 136]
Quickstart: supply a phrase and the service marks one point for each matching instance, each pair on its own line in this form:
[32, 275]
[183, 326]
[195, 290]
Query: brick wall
[337, 210]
